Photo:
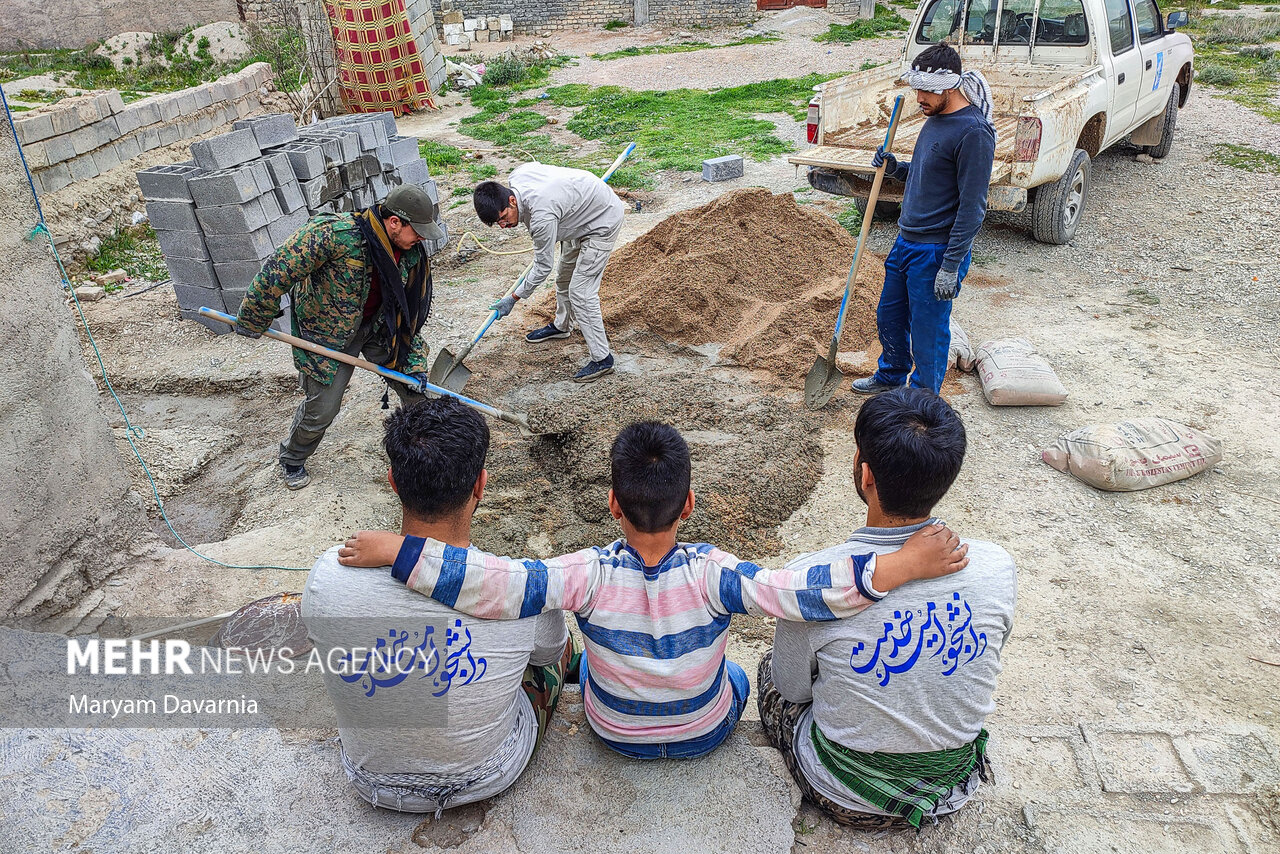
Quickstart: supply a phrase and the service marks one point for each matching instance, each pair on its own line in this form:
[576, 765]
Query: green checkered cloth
[905, 784]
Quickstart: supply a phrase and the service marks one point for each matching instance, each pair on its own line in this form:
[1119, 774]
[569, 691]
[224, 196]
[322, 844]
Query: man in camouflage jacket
[336, 299]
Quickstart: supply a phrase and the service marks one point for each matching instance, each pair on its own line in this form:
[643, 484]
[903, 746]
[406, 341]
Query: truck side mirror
[1177, 19]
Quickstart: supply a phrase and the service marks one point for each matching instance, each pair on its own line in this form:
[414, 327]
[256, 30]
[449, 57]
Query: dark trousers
[321, 402]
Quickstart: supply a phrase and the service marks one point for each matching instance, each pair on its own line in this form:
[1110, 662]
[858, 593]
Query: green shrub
[1218, 75]
[885, 21]
[505, 70]
[616, 25]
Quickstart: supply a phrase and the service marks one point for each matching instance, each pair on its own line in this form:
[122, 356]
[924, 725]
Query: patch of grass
[1240, 29]
[1232, 55]
[616, 25]
[686, 47]
[134, 250]
[851, 219]
[440, 157]
[884, 22]
[1247, 157]
[502, 127]
[678, 129]
[461, 191]
[1218, 75]
[481, 171]
[1143, 296]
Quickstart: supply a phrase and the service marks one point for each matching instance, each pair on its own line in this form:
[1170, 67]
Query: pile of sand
[753, 271]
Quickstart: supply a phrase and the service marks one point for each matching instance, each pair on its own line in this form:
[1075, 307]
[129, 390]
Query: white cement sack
[1131, 455]
[1013, 374]
[961, 352]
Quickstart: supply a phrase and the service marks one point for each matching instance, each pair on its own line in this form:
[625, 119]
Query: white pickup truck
[1069, 78]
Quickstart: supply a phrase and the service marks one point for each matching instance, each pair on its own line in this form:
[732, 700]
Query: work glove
[882, 157]
[503, 306]
[946, 284]
[240, 330]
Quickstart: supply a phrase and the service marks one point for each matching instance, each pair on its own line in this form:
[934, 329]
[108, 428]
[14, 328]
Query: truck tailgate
[852, 149]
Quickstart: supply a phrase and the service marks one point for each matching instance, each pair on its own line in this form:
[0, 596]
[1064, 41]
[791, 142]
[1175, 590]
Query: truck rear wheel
[885, 211]
[1059, 206]
[1161, 148]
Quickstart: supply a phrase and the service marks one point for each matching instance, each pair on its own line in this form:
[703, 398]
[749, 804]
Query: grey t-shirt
[426, 690]
[913, 673]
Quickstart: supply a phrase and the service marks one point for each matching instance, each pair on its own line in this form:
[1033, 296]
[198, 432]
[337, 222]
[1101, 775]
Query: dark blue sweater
[946, 196]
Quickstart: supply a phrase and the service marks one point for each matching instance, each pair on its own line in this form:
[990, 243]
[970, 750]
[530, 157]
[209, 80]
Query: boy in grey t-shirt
[435, 709]
[880, 715]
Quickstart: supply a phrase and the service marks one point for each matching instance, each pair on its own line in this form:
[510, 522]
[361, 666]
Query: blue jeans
[694, 747]
[914, 325]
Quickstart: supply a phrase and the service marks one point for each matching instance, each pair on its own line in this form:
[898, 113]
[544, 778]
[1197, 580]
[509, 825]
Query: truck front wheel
[1161, 148]
[1059, 206]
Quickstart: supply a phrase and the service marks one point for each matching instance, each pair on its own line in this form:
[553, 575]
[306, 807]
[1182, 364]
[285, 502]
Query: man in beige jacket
[578, 210]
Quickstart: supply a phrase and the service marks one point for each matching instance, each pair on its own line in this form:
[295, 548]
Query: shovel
[517, 418]
[824, 377]
[447, 370]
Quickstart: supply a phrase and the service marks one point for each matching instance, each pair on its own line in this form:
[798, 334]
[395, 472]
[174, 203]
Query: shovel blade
[448, 372]
[821, 383]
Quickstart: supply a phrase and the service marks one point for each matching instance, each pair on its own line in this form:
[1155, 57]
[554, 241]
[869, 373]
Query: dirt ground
[1137, 708]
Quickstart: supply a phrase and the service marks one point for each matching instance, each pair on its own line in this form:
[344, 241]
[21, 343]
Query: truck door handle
[1148, 65]
[1120, 79]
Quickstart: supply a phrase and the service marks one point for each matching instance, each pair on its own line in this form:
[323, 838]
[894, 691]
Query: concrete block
[172, 216]
[183, 244]
[261, 175]
[270, 207]
[106, 159]
[454, 39]
[187, 105]
[464, 41]
[114, 102]
[36, 155]
[482, 24]
[348, 143]
[279, 168]
[493, 22]
[219, 91]
[388, 120]
[231, 299]
[361, 197]
[149, 138]
[432, 247]
[414, 172]
[128, 147]
[452, 30]
[305, 158]
[226, 150]
[128, 120]
[167, 106]
[287, 226]
[453, 17]
[270, 130]
[86, 107]
[65, 120]
[224, 187]
[169, 133]
[290, 197]
[192, 271]
[204, 123]
[83, 140]
[446, 6]
[54, 178]
[237, 275]
[232, 219]
[35, 128]
[214, 326]
[371, 164]
[352, 174]
[192, 297]
[722, 168]
[330, 147]
[506, 24]
[254, 246]
[83, 168]
[378, 184]
[203, 96]
[313, 192]
[284, 322]
[404, 149]
[469, 25]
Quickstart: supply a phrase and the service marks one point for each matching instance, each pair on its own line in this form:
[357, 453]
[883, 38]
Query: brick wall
[73, 23]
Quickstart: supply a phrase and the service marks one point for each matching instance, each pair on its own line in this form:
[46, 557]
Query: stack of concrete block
[244, 193]
[461, 31]
[80, 138]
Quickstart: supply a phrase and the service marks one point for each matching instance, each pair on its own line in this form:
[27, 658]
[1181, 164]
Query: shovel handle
[356, 361]
[866, 227]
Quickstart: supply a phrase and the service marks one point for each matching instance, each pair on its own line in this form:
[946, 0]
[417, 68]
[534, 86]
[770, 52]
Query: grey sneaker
[294, 477]
[546, 333]
[593, 371]
[868, 385]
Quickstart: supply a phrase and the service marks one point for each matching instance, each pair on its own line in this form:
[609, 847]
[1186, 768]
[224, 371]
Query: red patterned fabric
[379, 63]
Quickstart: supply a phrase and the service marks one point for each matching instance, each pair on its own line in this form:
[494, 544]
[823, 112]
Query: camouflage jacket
[325, 269]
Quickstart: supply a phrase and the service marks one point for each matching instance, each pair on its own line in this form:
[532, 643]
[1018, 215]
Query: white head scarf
[972, 85]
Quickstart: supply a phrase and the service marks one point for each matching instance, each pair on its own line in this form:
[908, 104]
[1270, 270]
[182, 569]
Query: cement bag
[1013, 375]
[1131, 455]
[961, 353]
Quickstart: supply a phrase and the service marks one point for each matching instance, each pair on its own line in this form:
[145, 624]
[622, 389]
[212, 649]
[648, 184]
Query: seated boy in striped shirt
[654, 612]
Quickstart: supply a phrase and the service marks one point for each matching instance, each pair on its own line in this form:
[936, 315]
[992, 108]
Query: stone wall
[535, 15]
[74, 23]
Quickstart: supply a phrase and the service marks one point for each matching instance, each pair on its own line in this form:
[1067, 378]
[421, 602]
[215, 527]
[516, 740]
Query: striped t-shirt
[655, 635]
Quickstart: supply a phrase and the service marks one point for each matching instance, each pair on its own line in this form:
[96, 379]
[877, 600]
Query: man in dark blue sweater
[943, 207]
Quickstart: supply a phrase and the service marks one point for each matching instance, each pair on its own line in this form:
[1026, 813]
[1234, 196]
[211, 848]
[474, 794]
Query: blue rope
[130, 430]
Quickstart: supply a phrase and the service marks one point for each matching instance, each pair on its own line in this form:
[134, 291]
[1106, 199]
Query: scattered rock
[112, 278]
[90, 293]
[1144, 158]
[227, 42]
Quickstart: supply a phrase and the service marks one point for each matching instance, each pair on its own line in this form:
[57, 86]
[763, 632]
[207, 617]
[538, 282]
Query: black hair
[938, 57]
[490, 199]
[914, 443]
[437, 450]
[651, 474]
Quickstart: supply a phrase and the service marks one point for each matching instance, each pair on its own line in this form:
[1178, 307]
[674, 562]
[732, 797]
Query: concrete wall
[68, 518]
[73, 23]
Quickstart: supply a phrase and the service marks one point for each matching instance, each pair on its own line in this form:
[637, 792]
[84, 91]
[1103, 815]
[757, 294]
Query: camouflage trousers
[779, 718]
[321, 403]
[542, 685]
